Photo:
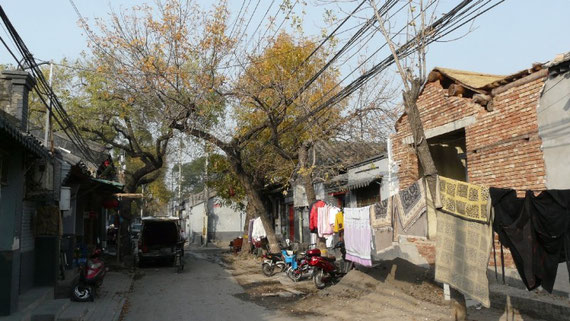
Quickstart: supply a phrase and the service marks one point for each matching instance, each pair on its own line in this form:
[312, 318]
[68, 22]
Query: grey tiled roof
[28, 141]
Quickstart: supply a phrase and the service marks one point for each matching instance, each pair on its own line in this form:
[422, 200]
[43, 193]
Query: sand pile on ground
[393, 289]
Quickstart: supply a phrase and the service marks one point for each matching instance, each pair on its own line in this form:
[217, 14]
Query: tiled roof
[474, 80]
[28, 141]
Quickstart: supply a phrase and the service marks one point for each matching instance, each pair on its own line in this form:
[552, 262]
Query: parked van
[158, 239]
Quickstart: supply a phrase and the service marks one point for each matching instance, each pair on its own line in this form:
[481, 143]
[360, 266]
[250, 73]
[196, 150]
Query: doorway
[448, 153]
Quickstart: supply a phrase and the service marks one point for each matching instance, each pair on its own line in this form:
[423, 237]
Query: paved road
[204, 291]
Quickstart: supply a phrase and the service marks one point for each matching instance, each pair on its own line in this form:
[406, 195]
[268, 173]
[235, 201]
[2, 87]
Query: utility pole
[180, 178]
[206, 195]
[47, 128]
[142, 203]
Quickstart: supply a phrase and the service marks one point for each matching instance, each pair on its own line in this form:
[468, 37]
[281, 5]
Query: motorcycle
[302, 267]
[259, 246]
[272, 261]
[330, 270]
[91, 274]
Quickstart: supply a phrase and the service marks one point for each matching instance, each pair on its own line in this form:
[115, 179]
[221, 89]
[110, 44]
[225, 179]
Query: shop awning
[118, 186]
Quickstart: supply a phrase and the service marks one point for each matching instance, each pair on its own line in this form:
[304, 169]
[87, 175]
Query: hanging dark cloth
[550, 217]
[535, 229]
[514, 231]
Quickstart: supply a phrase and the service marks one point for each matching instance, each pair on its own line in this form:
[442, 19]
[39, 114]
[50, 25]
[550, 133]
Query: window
[368, 195]
[448, 152]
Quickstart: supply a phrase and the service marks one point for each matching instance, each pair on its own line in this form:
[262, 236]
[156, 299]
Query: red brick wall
[497, 155]
[503, 147]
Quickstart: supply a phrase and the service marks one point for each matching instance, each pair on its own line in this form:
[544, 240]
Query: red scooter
[91, 276]
[329, 270]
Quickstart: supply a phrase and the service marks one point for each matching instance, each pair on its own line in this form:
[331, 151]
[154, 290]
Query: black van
[158, 239]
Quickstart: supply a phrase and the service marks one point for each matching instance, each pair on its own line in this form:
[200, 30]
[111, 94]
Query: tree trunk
[430, 171]
[124, 249]
[249, 214]
[254, 199]
[306, 172]
[420, 141]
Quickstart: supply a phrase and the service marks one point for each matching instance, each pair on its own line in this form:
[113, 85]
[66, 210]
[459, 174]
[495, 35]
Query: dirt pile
[393, 289]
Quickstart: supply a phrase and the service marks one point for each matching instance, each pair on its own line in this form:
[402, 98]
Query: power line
[260, 22]
[237, 18]
[42, 88]
[402, 52]
[328, 37]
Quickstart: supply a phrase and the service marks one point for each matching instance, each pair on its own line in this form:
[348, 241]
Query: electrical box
[65, 198]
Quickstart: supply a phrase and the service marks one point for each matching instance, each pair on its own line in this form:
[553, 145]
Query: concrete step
[540, 305]
[30, 300]
[75, 312]
[49, 310]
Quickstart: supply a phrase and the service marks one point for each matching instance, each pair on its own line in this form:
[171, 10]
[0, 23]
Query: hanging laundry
[508, 209]
[313, 215]
[463, 248]
[333, 210]
[338, 222]
[381, 223]
[411, 204]
[538, 236]
[329, 239]
[468, 201]
[381, 215]
[327, 226]
[358, 235]
[417, 228]
[550, 212]
[258, 229]
[322, 220]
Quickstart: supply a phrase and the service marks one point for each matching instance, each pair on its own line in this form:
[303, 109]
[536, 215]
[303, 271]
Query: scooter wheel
[267, 269]
[294, 275]
[282, 266]
[82, 293]
[319, 279]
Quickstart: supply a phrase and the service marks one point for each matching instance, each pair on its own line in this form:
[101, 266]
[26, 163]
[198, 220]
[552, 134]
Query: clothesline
[466, 216]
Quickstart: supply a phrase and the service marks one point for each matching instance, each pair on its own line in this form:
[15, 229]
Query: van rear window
[160, 233]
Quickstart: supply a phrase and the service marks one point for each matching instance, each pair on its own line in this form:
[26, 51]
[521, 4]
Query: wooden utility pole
[412, 88]
[206, 195]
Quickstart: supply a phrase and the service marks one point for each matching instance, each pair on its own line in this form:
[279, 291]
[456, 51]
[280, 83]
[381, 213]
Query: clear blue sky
[507, 39]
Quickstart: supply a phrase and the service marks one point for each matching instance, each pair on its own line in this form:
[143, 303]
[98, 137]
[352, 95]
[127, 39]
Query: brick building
[481, 128]
[501, 131]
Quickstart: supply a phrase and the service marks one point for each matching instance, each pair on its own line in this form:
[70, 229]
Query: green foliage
[220, 179]
[193, 175]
